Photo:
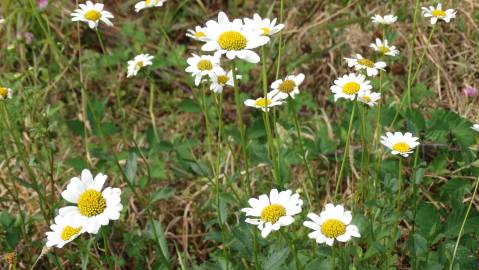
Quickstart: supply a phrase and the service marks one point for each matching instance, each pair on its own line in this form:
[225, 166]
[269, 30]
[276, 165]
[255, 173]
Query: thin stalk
[411, 51]
[377, 131]
[204, 108]
[151, 103]
[271, 149]
[415, 199]
[400, 180]
[364, 155]
[107, 250]
[280, 42]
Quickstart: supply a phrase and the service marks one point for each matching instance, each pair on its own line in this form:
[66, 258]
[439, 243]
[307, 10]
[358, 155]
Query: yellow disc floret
[287, 86]
[222, 79]
[401, 147]
[272, 213]
[92, 15]
[68, 232]
[204, 65]
[384, 49]
[333, 228]
[438, 13]
[200, 34]
[263, 102]
[366, 99]
[351, 88]
[232, 41]
[366, 62]
[3, 92]
[91, 203]
[266, 31]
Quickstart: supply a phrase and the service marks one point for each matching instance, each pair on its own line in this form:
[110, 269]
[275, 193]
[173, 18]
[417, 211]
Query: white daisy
[388, 19]
[359, 63]
[384, 48]
[197, 34]
[92, 14]
[273, 212]
[220, 78]
[287, 87]
[332, 223]
[369, 98]
[475, 127]
[402, 144]
[233, 39]
[264, 103]
[5, 93]
[349, 86]
[94, 208]
[140, 61]
[438, 14]
[148, 4]
[63, 231]
[2, 20]
[267, 26]
[200, 66]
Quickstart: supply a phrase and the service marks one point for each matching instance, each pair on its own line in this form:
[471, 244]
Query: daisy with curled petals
[359, 63]
[92, 14]
[333, 223]
[233, 39]
[287, 87]
[402, 144]
[63, 231]
[349, 86]
[264, 103]
[369, 98]
[475, 127]
[384, 48]
[200, 66]
[93, 207]
[437, 13]
[5, 93]
[220, 79]
[388, 19]
[140, 61]
[197, 34]
[148, 4]
[267, 26]
[270, 213]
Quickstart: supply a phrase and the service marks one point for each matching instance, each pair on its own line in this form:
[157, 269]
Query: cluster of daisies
[92, 207]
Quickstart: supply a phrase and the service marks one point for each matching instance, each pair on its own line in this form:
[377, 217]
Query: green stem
[151, 111]
[280, 42]
[271, 149]
[398, 196]
[411, 51]
[204, 108]
[377, 132]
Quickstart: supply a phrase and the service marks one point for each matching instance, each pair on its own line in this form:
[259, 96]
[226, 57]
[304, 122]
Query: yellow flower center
[438, 13]
[333, 228]
[92, 15]
[232, 41]
[204, 65]
[140, 64]
[68, 232]
[383, 49]
[351, 88]
[200, 34]
[263, 102]
[3, 92]
[366, 62]
[91, 203]
[401, 147]
[366, 99]
[287, 86]
[266, 31]
[272, 213]
[222, 79]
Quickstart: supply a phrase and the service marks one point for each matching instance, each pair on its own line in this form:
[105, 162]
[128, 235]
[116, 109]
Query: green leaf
[162, 194]
[131, 167]
[76, 127]
[275, 259]
[188, 105]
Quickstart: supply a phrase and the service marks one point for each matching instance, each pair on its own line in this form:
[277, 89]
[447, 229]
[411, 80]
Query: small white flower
[287, 87]
[349, 86]
[369, 98]
[270, 213]
[92, 14]
[140, 61]
[332, 223]
[438, 14]
[264, 103]
[475, 127]
[359, 63]
[197, 34]
[402, 144]
[200, 66]
[220, 78]
[5, 93]
[267, 26]
[384, 48]
[148, 4]
[233, 39]
[63, 231]
[94, 208]
[388, 19]
[2, 20]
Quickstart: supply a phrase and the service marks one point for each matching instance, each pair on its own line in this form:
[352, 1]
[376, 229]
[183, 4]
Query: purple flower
[470, 91]
[42, 4]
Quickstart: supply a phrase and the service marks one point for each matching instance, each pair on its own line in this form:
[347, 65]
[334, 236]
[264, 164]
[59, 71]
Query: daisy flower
[197, 34]
[436, 13]
[148, 4]
[220, 78]
[287, 87]
[384, 48]
[200, 66]
[475, 127]
[267, 26]
[140, 61]
[369, 98]
[270, 213]
[2, 20]
[233, 39]
[92, 14]
[388, 19]
[63, 231]
[349, 85]
[333, 223]
[94, 208]
[359, 63]
[264, 103]
[402, 144]
[5, 93]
